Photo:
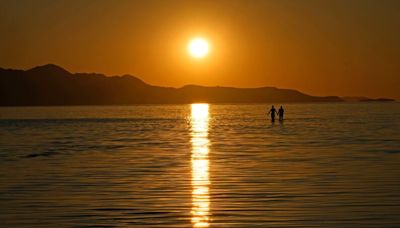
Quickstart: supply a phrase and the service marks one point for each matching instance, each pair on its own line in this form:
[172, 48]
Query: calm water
[326, 165]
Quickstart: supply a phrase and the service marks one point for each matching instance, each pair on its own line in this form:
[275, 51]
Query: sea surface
[200, 165]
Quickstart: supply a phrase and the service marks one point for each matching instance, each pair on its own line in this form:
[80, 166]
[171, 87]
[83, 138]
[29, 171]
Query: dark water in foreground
[326, 165]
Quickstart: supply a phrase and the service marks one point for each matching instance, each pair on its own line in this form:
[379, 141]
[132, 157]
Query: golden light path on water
[200, 165]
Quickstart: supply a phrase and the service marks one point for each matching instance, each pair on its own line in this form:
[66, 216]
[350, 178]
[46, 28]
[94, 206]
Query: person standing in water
[280, 113]
[272, 112]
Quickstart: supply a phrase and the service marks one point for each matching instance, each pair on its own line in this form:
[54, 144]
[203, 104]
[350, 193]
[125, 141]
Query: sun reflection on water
[200, 165]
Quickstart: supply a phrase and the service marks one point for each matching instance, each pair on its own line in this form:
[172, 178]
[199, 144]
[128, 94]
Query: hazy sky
[338, 47]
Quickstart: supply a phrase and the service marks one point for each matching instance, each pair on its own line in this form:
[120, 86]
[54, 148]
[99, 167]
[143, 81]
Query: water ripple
[165, 166]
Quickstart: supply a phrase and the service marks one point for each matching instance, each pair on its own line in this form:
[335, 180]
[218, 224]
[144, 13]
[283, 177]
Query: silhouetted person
[272, 112]
[280, 113]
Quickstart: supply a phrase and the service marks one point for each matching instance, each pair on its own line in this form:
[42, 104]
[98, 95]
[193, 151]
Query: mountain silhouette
[53, 85]
[367, 99]
[49, 70]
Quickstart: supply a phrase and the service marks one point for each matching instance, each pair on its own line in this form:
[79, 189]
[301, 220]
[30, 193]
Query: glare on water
[216, 165]
[200, 165]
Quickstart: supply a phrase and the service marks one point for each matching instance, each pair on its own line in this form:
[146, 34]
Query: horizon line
[187, 85]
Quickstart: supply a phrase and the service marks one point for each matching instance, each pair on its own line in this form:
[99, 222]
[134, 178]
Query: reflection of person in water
[272, 112]
[280, 113]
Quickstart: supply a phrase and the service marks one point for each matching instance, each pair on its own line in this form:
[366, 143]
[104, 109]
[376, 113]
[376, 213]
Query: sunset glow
[200, 165]
[303, 45]
[199, 113]
[198, 48]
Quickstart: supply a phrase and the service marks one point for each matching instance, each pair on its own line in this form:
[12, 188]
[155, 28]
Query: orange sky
[336, 47]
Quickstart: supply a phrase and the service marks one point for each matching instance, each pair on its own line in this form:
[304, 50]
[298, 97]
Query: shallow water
[326, 165]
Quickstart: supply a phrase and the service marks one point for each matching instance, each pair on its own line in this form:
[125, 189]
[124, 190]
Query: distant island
[53, 85]
[367, 99]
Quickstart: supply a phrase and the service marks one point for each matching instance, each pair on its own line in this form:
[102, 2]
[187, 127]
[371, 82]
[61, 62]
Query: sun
[198, 48]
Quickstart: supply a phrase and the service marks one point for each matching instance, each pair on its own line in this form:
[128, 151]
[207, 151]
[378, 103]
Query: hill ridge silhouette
[51, 84]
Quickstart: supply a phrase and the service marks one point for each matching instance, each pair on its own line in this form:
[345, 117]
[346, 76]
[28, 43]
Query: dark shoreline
[51, 85]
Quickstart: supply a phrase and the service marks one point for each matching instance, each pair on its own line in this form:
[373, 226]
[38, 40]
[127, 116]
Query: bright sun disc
[198, 48]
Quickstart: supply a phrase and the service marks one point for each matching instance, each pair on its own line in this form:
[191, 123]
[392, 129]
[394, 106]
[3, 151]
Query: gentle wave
[326, 165]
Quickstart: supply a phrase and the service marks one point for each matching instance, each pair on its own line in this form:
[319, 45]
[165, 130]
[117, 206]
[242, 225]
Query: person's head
[272, 106]
[281, 106]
